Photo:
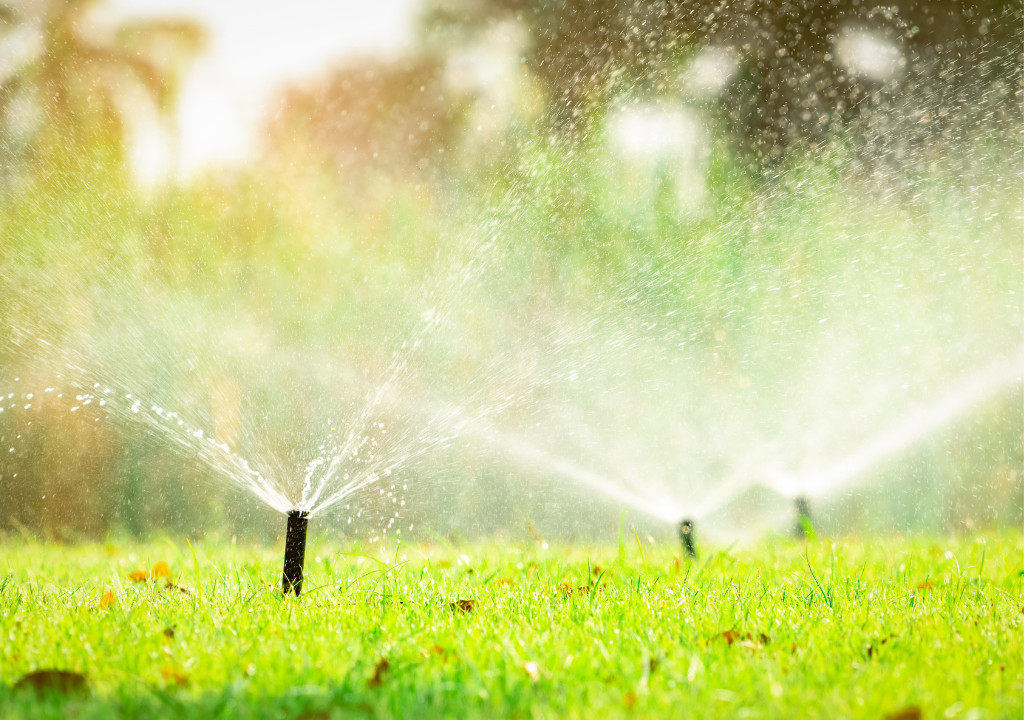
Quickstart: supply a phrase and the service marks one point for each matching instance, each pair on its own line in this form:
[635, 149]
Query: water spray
[804, 523]
[686, 537]
[294, 551]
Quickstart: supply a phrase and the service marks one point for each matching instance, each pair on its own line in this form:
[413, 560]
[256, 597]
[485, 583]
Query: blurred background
[541, 262]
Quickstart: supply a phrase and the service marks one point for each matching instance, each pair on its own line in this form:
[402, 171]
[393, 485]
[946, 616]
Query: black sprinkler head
[294, 551]
[804, 524]
[687, 538]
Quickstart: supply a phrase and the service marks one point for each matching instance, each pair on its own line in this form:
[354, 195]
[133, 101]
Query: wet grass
[843, 629]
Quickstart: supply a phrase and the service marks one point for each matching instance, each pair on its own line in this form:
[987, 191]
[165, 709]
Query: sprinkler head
[294, 551]
[804, 524]
[687, 538]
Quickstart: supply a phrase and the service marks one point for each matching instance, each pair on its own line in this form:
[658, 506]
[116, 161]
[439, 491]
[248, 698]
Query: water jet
[294, 551]
[686, 537]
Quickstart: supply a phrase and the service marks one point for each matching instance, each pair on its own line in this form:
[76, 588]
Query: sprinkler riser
[687, 538]
[294, 552]
[803, 517]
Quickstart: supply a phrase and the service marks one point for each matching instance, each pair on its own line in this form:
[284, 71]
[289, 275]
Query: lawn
[869, 628]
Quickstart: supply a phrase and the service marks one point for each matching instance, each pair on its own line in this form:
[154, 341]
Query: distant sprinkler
[294, 551]
[686, 537]
[804, 525]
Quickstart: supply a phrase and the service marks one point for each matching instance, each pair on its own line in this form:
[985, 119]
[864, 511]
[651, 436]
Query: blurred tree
[789, 82]
[66, 89]
[374, 115]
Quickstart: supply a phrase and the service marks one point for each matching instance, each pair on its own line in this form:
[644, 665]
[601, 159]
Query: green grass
[852, 628]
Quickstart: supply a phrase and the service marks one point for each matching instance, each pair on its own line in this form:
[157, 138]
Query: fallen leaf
[532, 670]
[107, 600]
[597, 569]
[379, 672]
[138, 576]
[466, 606]
[169, 631]
[908, 713]
[925, 585]
[161, 569]
[180, 588]
[509, 583]
[731, 636]
[754, 643]
[59, 681]
[567, 589]
[174, 675]
[629, 699]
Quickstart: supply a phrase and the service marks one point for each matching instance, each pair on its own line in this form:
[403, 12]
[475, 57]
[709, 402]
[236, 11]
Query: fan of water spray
[631, 314]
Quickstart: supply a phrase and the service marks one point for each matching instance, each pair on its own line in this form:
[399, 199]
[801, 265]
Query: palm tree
[63, 107]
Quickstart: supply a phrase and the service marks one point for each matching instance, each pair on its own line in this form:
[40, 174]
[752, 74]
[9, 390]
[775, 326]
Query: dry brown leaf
[925, 585]
[138, 576]
[567, 590]
[107, 600]
[440, 652]
[180, 588]
[161, 569]
[752, 643]
[466, 606]
[174, 675]
[59, 681]
[629, 699]
[730, 636]
[908, 713]
[379, 672]
[169, 632]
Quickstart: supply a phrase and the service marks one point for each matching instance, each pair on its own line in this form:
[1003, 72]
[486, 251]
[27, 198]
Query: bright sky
[255, 47]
